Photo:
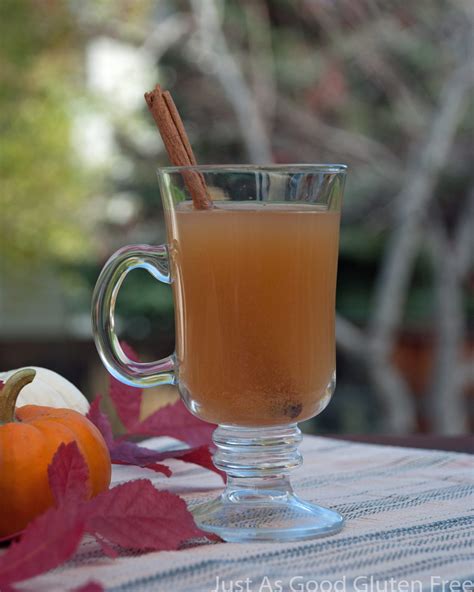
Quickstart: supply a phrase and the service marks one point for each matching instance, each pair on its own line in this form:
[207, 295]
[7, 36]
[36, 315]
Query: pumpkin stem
[10, 391]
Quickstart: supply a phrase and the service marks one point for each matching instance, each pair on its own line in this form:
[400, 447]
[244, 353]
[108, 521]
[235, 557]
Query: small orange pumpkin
[27, 446]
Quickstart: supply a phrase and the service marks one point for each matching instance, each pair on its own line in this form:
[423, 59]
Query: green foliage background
[43, 185]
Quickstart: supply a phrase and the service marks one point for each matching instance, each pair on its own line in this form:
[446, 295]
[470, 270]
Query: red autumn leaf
[136, 515]
[107, 549]
[48, 541]
[199, 455]
[101, 421]
[68, 475]
[202, 456]
[154, 466]
[132, 454]
[172, 420]
[159, 468]
[123, 452]
[11, 537]
[133, 515]
[176, 421]
[129, 453]
[127, 399]
[89, 587]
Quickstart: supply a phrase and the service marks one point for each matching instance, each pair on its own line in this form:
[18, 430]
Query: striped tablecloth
[409, 527]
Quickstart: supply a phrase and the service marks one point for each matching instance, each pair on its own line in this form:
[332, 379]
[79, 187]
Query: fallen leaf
[100, 420]
[89, 587]
[68, 475]
[172, 420]
[157, 467]
[130, 453]
[160, 468]
[136, 515]
[126, 399]
[176, 421]
[11, 537]
[48, 541]
[121, 451]
[107, 549]
[133, 454]
[202, 456]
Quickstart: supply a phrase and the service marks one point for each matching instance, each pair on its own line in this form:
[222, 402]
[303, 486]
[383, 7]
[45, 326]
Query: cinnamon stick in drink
[169, 123]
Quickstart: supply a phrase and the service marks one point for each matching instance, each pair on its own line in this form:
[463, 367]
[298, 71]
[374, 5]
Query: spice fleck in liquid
[254, 289]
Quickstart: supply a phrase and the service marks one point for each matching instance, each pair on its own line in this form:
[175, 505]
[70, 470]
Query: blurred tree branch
[397, 262]
[261, 58]
[156, 37]
[215, 57]
[346, 143]
[167, 33]
[447, 406]
[451, 260]
[366, 44]
[351, 339]
[464, 239]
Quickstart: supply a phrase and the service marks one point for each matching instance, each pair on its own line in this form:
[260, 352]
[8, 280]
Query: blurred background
[382, 85]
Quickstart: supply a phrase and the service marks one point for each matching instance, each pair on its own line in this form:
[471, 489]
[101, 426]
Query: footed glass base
[258, 503]
[277, 518]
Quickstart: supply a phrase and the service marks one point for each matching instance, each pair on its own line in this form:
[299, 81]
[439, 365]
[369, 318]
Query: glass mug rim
[156, 260]
[316, 168]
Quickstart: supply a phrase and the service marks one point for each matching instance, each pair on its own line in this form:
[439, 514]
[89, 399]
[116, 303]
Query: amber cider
[254, 290]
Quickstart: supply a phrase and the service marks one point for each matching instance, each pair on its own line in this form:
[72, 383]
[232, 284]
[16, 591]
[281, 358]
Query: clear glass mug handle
[155, 260]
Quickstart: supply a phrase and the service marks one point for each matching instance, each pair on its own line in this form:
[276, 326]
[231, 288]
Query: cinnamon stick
[175, 139]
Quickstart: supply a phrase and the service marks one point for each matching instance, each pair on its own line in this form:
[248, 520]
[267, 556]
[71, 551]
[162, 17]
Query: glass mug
[254, 282]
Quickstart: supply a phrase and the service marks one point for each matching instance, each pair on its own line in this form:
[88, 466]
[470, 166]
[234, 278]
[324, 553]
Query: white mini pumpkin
[51, 390]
